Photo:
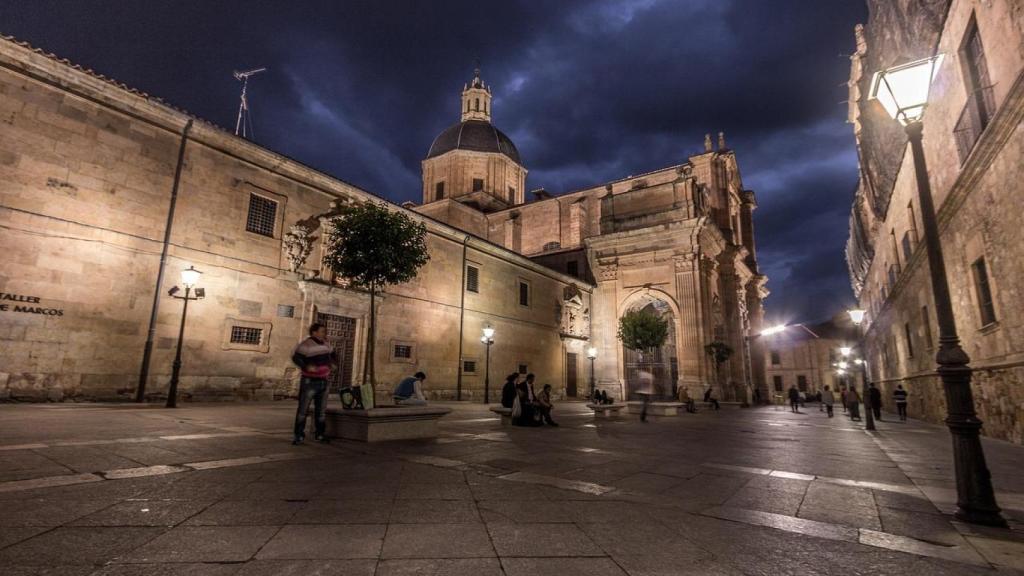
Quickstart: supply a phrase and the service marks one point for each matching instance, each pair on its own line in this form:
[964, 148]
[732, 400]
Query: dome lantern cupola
[476, 99]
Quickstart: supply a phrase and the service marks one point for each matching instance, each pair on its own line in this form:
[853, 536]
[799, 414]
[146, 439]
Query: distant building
[88, 167]
[974, 147]
[804, 356]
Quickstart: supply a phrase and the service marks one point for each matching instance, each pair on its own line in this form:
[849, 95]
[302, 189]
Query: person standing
[875, 401]
[828, 399]
[314, 357]
[794, 400]
[409, 391]
[645, 389]
[900, 396]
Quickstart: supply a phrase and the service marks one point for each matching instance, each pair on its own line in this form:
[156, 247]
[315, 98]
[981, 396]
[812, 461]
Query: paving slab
[204, 544]
[437, 541]
[539, 540]
[337, 541]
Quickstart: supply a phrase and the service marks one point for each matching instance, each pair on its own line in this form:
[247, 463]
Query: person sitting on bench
[409, 393]
[708, 398]
[686, 399]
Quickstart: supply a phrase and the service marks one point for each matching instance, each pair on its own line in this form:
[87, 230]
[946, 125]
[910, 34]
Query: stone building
[804, 356]
[973, 144]
[104, 187]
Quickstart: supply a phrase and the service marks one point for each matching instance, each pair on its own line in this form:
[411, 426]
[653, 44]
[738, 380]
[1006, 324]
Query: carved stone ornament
[609, 271]
[685, 262]
[297, 245]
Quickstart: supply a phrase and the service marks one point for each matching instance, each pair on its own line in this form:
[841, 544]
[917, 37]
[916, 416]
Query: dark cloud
[589, 91]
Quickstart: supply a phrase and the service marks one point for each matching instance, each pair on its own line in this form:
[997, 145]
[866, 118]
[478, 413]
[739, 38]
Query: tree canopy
[374, 246]
[642, 330]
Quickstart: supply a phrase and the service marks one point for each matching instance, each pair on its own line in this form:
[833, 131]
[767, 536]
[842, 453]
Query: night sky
[588, 91]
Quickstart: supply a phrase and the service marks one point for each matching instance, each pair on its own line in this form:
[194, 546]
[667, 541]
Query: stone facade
[804, 356]
[679, 240]
[87, 170]
[973, 144]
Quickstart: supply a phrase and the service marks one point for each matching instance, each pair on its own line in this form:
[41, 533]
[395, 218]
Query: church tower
[472, 162]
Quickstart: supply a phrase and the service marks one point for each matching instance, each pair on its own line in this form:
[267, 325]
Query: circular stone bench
[505, 413]
[385, 423]
[606, 410]
[655, 408]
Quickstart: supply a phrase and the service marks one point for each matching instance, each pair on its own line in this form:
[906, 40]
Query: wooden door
[341, 333]
[570, 374]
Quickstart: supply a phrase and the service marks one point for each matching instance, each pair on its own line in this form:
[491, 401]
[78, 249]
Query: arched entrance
[662, 364]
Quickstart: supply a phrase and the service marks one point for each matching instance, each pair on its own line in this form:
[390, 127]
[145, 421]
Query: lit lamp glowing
[856, 316]
[844, 365]
[903, 91]
[845, 350]
[189, 279]
[592, 355]
[487, 339]
[773, 330]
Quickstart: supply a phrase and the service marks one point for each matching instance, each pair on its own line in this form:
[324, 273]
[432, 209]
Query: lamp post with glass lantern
[903, 92]
[487, 339]
[189, 277]
[857, 316]
[592, 355]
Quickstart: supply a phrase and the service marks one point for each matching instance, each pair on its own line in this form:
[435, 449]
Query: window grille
[472, 279]
[984, 292]
[262, 215]
[403, 351]
[286, 311]
[469, 366]
[524, 294]
[552, 246]
[246, 335]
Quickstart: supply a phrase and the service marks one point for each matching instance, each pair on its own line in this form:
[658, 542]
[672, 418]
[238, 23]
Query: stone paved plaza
[218, 489]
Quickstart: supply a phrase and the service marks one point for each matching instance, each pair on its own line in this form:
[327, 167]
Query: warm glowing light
[845, 350]
[591, 352]
[903, 90]
[840, 371]
[190, 276]
[773, 330]
[858, 361]
[844, 365]
[857, 315]
[488, 333]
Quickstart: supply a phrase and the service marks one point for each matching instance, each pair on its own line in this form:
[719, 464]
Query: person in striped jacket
[314, 356]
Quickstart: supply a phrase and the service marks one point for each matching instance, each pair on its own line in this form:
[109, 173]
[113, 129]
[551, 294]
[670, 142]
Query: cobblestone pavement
[218, 490]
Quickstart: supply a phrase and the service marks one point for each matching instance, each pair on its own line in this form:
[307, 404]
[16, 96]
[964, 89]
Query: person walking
[842, 397]
[853, 399]
[900, 396]
[645, 390]
[794, 400]
[828, 399]
[314, 357]
[875, 401]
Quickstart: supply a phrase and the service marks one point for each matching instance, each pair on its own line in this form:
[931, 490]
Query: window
[926, 323]
[439, 191]
[523, 369]
[262, 215]
[892, 275]
[983, 291]
[776, 358]
[469, 366]
[572, 268]
[286, 311]
[402, 351]
[472, 279]
[980, 105]
[908, 248]
[777, 383]
[910, 341]
[524, 293]
[478, 184]
[246, 335]
[551, 246]
[895, 250]
[511, 194]
[801, 382]
[477, 104]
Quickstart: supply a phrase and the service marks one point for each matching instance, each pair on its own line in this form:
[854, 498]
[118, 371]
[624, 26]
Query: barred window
[469, 366]
[552, 246]
[262, 215]
[246, 335]
[983, 291]
[286, 311]
[403, 351]
[472, 279]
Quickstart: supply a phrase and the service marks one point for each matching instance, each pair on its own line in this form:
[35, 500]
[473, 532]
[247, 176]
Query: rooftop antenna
[243, 126]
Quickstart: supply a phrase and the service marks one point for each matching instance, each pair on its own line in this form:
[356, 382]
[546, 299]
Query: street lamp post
[857, 316]
[903, 91]
[487, 339]
[189, 277]
[592, 354]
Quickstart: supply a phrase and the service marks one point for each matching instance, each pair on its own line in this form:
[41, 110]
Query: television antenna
[243, 126]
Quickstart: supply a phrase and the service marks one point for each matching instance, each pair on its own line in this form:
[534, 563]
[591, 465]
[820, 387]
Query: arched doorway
[662, 364]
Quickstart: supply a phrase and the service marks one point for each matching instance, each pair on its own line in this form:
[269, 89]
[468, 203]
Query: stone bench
[655, 408]
[505, 413]
[385, 423]
[606, 410]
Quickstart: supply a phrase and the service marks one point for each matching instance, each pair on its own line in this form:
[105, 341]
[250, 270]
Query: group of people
[851, 400]
[529, 408]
